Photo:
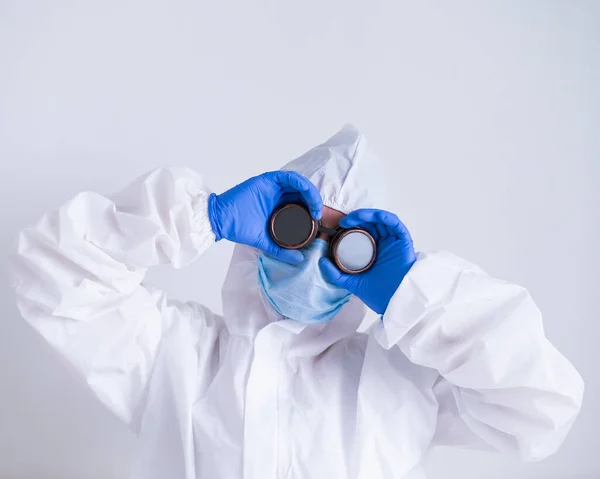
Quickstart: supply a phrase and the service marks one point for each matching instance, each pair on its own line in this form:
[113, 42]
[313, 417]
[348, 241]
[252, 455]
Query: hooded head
[345, 172]
[349, 177]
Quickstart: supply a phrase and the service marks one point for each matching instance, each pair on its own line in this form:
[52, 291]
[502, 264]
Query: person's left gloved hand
[395, 256]
[242, 213]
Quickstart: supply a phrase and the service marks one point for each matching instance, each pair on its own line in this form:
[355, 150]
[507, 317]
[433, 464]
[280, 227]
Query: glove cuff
[213, 216]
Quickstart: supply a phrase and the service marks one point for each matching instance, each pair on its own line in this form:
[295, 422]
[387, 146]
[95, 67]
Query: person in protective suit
[282, 385]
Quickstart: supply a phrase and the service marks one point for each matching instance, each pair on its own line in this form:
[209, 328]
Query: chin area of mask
[355, 251]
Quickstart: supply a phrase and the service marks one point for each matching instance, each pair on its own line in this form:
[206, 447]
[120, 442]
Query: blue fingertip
[296, 256]
[326, 264]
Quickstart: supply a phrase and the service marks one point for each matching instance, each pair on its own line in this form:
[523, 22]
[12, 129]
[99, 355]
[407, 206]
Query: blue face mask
[299, 291]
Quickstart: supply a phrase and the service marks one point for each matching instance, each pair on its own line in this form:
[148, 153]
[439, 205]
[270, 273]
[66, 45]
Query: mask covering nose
[299, 291]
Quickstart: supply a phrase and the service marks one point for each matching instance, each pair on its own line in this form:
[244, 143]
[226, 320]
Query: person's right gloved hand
[242, 213]
[395, 256]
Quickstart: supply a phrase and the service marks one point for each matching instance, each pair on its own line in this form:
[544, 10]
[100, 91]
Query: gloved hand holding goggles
[352, 250]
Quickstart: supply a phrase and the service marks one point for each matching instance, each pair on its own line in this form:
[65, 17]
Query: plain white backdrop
[487, 115]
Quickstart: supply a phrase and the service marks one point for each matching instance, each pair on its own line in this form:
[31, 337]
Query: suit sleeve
[78, 278]
[502, 385]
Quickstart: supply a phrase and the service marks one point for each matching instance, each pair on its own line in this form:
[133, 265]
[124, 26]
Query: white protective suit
[459, 358]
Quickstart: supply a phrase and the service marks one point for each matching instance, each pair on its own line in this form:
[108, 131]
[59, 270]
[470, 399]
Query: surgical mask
[299, 291]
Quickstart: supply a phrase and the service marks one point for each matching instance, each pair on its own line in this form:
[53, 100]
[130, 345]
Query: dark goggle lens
[291, 226]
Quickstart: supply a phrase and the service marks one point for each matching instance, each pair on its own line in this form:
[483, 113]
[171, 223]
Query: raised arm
[78, 278]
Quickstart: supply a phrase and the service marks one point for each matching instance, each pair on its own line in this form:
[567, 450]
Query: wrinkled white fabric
[345, 170]
[459, 359]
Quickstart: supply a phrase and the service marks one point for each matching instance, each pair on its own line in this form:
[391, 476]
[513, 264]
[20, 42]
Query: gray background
[486, 113]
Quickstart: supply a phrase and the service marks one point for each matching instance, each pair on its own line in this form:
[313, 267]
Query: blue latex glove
[395, 256]
[242, 213]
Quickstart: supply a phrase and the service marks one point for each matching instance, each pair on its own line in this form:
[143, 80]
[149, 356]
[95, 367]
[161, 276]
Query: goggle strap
[328, 231]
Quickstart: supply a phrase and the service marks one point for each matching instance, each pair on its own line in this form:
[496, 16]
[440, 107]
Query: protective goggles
[352, 250]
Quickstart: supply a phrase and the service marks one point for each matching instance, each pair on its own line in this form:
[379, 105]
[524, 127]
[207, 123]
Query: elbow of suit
[560, 419]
